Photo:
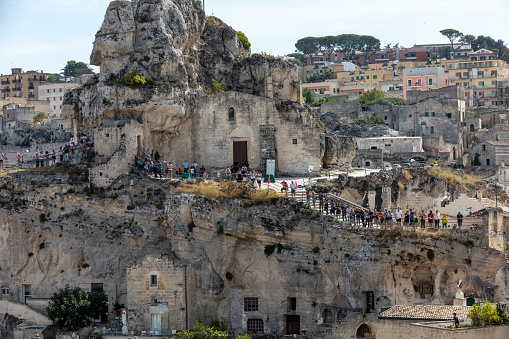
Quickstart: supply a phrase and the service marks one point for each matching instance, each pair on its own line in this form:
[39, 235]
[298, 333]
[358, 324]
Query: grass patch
[228, 190]
[454, 179]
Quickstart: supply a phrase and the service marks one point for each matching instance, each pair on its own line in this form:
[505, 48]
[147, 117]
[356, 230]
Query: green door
[156, 323]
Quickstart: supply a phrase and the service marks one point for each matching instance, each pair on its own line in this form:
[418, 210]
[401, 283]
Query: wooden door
[292, 324]
[240, 152]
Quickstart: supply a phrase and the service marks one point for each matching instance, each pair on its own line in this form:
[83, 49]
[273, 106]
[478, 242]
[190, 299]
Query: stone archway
[363, 331]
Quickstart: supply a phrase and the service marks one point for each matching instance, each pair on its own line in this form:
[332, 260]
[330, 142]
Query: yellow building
[481, 76]
[22, 85]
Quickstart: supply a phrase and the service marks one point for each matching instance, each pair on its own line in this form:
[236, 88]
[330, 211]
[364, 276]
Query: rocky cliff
[53, 232]
[179, 52]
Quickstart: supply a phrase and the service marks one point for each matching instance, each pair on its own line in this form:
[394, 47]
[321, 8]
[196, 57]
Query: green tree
[53, 76]
[73, 307]
[75, 69]
[484, 315]
[348, 44]
[298, 56]
[308, 96]
[328, 44]
[308, 45]
[467, 39]
[245, 41]
[368, 45]
[296, 62]
[453, 35]
[39, 117]
[370, 96]
[444, 52]
[505, 57]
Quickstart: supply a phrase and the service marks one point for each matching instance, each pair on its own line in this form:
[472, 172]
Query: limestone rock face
[152, 37]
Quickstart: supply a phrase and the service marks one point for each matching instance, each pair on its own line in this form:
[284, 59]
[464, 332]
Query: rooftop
[425, 312]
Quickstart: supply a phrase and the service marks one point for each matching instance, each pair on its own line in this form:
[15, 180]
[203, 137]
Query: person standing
[422, 216]
[430, 219]
[437, 219]
[399, 214]
[2, 157]
[459, 219]
[326, 205]
[293, 187]
[185, 165]
[444, 221]
[308, 198]
[259, 179]
[313, 199]
[320, 202]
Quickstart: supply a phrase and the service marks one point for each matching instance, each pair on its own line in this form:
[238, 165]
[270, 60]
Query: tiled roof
[425, 312]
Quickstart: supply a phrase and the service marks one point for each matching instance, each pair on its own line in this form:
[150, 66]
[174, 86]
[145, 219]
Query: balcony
[31, 95]
[6, 90]
[31, 86]
[6, 82]
[16, 89]
[416, 85]
[16, 81]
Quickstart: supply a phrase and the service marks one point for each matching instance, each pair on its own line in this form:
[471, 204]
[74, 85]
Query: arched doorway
[472, 127]
[363, 331]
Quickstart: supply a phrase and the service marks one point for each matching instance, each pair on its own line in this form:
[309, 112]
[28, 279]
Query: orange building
[424, 79]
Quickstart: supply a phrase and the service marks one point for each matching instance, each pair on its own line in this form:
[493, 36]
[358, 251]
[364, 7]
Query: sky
[45, 34]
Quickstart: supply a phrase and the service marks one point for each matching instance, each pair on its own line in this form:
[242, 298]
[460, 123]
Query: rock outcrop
[52, 235]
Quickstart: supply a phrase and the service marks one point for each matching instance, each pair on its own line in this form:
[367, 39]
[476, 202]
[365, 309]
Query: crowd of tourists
[408, 220]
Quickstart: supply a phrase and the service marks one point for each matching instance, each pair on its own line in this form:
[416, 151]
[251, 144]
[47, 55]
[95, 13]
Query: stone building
[391, 145]
[490, 153]
[13, 115]
[156, 295]
[116, 145]
[244, 128]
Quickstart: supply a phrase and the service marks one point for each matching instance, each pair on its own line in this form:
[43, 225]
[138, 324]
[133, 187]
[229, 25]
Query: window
[153, 280]
[448, 115]
[153, 301]
[409, 83]
[53, 90]
[410, 115]
[369, 301]
[47, 91]
[484, 147]
[231, 114]
[430, 81]
[367, 77]
[292, 304]
[5, 290]
[375, 77]
[60, 90]
[254, 326]
[385, 117]
[250, 304]
[327, 317]
[294, 141]
[432, 130]
[487, 162]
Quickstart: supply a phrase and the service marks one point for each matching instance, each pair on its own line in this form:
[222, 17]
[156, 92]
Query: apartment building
[424, 79]
[21, 84]
[483, 77]
[54, 93]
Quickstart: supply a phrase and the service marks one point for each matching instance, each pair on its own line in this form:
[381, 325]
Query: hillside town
[177, 185]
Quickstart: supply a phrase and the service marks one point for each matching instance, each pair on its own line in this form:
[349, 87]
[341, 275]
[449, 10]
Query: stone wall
[403, 329]
[296, 139]
[22, 311]
[166, 297]
[391, 145]
[116, 144]
[445, 93]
